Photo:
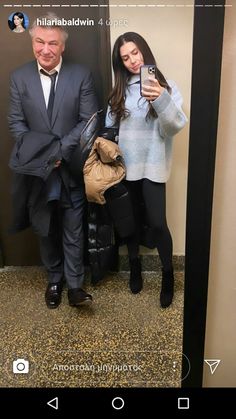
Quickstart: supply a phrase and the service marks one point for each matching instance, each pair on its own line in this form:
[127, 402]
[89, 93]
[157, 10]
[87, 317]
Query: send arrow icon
[53, 403]
[212, 363]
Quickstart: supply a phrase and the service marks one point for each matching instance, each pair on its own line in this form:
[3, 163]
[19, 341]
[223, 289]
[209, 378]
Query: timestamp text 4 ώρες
[115, 23]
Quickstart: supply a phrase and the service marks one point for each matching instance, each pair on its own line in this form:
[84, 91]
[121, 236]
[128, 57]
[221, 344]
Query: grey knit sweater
[147, 144]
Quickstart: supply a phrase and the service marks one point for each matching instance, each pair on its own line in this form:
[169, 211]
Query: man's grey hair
[49, 21]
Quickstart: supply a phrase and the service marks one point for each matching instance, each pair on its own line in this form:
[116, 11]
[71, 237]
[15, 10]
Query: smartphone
[146, 72]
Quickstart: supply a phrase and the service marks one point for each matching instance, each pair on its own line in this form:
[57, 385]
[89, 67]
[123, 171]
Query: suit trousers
[62, 250]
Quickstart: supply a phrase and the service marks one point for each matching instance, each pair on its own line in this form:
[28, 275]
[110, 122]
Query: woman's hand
[152, 91]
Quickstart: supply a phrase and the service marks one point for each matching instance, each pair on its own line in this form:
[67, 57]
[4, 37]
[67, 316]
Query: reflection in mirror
[123, 340]
[163, 329]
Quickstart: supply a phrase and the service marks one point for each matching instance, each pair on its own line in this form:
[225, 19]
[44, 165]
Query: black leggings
[153, 195]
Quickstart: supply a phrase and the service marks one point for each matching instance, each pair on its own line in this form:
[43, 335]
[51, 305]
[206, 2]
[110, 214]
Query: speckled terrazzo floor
[122, 340]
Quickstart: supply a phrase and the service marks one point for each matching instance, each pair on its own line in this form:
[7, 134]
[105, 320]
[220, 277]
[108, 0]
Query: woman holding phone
[148, 117]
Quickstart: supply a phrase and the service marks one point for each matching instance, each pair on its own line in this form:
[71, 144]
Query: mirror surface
[139, 333]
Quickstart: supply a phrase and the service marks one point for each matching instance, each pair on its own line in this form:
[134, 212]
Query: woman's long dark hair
[21, 16]
[117, 96]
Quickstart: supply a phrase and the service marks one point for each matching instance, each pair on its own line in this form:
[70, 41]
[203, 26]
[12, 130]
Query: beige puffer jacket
[103, 169]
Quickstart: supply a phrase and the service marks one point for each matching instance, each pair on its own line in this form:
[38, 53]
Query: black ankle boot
[135, 280]
[167, 288]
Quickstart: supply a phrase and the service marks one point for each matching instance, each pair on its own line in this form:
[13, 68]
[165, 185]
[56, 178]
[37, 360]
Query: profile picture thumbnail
[18, 22]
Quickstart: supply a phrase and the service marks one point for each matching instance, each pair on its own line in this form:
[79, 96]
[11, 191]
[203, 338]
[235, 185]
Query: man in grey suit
[51, 97]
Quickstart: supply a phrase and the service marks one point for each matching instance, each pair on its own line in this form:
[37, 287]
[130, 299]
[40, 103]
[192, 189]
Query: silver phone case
[146, 71]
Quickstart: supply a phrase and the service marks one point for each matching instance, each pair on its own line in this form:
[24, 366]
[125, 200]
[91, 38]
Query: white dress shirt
[46, 81]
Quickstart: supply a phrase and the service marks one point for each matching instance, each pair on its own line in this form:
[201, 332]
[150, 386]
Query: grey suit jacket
[74, 103]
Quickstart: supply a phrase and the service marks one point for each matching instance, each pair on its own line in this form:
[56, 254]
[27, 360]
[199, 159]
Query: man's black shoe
[78, 297]
[53, 294]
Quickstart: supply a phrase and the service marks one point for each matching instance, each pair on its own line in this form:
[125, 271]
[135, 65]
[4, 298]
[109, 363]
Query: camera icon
[20, 366]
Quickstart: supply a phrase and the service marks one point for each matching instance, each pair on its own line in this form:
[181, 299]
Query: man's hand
[57, 164]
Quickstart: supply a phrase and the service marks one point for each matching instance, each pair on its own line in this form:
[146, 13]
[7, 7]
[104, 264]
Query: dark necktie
[52, 92]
